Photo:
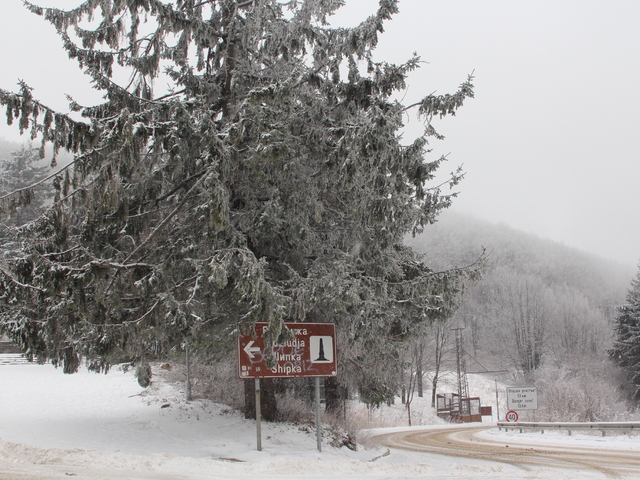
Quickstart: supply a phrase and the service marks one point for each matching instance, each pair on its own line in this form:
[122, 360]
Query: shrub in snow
[582, 393]
[143, 374]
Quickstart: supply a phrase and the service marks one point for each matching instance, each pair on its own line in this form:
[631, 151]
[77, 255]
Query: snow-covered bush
[218, 383]
[293, 408]
[580, 393]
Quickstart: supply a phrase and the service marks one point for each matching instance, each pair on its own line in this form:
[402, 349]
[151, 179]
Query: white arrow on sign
[249, 350]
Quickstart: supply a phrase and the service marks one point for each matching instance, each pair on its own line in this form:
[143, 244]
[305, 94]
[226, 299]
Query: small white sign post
[522, 398]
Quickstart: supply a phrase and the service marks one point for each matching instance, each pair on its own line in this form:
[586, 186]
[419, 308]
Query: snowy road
[469, 443]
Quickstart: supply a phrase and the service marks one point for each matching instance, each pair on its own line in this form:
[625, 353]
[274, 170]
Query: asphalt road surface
[464, 442]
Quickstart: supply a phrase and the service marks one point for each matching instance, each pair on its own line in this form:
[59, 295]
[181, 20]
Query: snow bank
[107, 427]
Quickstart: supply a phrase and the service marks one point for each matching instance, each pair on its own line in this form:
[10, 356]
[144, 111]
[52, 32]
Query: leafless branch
[20, 284]
[133, 322]
[39, 182]
[120, 266]
[164, 222]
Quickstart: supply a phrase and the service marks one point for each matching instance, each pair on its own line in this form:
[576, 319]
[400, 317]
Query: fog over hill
[458, 239]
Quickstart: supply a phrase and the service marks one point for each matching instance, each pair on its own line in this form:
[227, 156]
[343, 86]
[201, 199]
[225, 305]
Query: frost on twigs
[234, 195]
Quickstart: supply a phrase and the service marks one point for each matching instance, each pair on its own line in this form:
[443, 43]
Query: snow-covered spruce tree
[268, 183]
[626, 347]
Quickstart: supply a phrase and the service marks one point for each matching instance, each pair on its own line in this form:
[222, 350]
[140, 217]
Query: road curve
[465, 442]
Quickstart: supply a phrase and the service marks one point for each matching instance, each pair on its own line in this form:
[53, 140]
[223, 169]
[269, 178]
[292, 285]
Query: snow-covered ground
[107, 427]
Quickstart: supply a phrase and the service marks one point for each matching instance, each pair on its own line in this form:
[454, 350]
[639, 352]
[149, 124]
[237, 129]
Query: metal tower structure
[463, 384]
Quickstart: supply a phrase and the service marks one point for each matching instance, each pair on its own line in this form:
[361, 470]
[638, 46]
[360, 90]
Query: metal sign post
[318, 416]
[258, 416]
[497, 401]
[187, 385]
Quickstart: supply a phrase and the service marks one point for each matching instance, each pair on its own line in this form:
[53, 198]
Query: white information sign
[522, 398]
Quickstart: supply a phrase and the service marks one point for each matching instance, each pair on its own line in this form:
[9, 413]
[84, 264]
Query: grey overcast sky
[550, 144]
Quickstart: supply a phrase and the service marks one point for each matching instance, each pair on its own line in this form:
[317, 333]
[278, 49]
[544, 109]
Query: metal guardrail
[570, 426]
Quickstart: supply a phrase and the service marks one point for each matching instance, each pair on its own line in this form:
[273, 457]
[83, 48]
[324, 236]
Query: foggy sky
[550, 144]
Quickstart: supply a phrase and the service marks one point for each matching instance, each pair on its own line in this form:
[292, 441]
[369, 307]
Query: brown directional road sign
[311, 353]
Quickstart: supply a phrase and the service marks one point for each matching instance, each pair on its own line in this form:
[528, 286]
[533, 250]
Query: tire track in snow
[465, 443]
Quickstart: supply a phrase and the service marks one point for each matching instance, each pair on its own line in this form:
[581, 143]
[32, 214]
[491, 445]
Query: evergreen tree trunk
[268, 404]
[332, 395]
[249, 399]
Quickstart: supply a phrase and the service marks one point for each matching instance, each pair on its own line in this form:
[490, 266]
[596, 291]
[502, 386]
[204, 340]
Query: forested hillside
[543, 312]
[457, 240]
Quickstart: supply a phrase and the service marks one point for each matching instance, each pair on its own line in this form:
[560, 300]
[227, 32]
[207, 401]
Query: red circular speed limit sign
[512, 416]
